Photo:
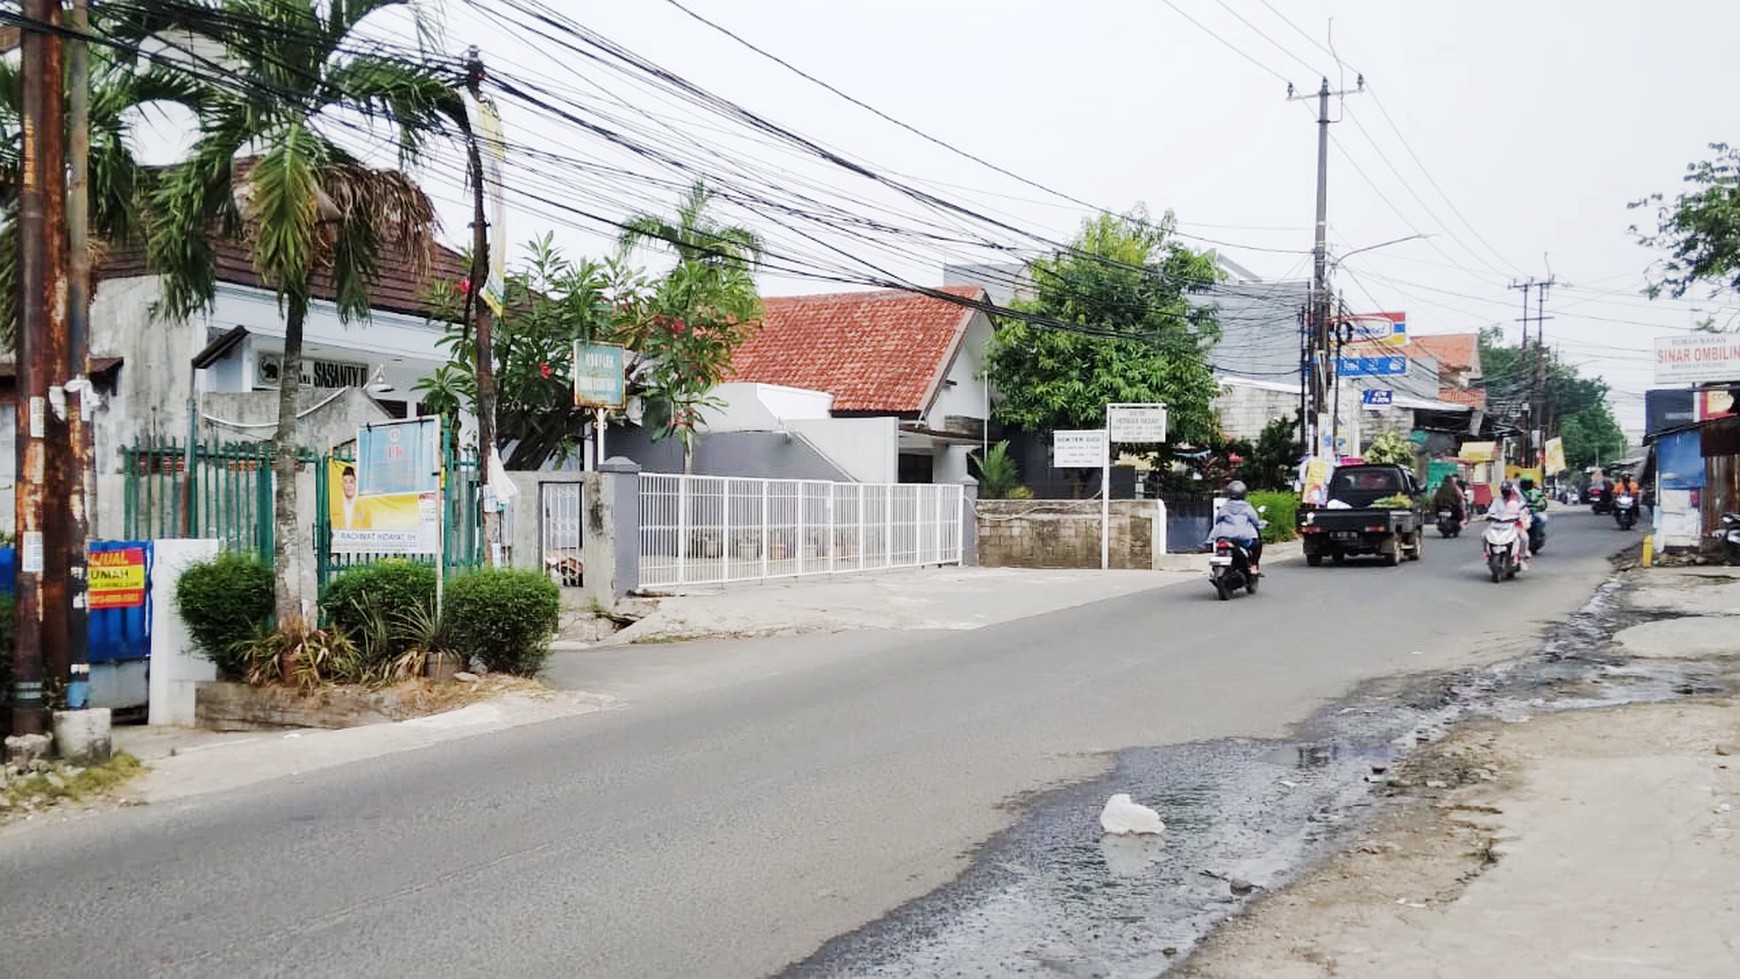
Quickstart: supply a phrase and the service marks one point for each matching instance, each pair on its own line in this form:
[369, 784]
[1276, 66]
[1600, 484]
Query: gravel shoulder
[1588, 843]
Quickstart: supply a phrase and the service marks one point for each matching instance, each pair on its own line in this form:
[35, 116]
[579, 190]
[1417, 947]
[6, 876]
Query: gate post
[610, 546]
[967, 534]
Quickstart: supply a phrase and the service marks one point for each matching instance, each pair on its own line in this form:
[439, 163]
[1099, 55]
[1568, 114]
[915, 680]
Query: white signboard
[1697, 357]
[1136, 422]
[1079, 449]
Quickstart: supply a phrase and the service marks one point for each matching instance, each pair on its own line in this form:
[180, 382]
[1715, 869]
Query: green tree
[1699, 229]
[1576, 405]
[699, 312]
[264, 170]
[1274, 460]
[1123, 283]
[119, 185]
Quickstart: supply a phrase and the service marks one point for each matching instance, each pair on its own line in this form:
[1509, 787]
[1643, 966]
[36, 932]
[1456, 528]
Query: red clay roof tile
[875, 352]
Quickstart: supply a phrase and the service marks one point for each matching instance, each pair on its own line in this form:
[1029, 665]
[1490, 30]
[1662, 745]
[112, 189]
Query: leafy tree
[119, 185]
[700, 311]
[264, 170]
[1699, 229]
[1576, 405]
[1124, 283]
[1274, 459]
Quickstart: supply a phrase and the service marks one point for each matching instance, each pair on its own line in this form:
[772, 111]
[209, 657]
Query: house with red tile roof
[911, 359]
[1459, 370]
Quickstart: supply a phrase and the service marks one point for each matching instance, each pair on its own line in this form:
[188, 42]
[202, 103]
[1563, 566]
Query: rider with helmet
[1509, 504]
[1239, 521]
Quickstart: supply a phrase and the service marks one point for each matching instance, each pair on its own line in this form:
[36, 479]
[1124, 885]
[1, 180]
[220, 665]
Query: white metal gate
[703, 529]
[560, 507]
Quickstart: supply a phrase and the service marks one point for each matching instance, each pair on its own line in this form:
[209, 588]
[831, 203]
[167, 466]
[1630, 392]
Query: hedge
[225, 602]
[503, 617]
[372, 604]
[1281, 515]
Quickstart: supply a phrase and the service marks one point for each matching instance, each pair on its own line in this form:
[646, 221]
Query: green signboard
[598, 375]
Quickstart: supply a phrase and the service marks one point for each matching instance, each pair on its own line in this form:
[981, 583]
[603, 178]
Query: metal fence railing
[707, 529]
[561, 531]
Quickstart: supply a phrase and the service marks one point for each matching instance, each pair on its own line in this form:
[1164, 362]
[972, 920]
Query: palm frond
[381, 212]
[285, 208]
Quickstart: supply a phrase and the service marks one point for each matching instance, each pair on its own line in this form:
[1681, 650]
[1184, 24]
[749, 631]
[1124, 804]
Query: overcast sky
[1520, 131]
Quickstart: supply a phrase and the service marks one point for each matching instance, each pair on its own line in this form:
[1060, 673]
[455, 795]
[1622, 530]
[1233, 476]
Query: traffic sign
[1371, 366]
[1377, 397]
[1136, 422]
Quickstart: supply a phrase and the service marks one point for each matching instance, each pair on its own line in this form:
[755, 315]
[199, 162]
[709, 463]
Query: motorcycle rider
[1239, 522]
[1536, 500]
[1449, 496]
[1510, 505]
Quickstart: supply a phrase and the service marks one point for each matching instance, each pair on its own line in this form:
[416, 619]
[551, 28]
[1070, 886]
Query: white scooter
[1502, 545]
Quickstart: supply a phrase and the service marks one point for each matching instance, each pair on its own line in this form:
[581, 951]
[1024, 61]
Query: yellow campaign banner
[1315, 492]
[387, 523]
[1514, 472]
[1555, 456]
[115, 579]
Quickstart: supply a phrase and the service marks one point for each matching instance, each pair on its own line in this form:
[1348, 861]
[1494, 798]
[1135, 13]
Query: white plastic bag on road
[1121, 816]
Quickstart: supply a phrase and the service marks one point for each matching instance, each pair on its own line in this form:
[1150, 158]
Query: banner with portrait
[389, 500]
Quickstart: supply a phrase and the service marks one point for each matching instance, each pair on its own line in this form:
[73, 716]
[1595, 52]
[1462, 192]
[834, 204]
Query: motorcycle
[1625, 511]
[1448, 525]
[1537, 532]
[1229, 569]
[1502, 547]
[1229, 566]
[1729, 535]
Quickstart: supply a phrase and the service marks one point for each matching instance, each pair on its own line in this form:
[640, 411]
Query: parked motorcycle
[1448, 525]
[1625, 511]
[1501, 545]
[1229, 569]
[1729, 535]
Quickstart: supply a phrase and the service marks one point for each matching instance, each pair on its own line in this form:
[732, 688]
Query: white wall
[966, 396]
[1244, 409]
[752, 407]
[175, 667]
[866, 449]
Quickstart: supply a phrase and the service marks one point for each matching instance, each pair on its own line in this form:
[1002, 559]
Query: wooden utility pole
[41, 353]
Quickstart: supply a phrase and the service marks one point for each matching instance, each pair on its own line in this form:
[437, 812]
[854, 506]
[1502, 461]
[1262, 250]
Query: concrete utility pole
[1318, 359]
[485, 368]
[1534, 406]
[81, 400]
[41, 353]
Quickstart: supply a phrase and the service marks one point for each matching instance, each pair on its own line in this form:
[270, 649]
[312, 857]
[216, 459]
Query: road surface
[751, 799]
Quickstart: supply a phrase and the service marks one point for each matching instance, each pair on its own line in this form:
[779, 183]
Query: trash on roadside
[1121, 816]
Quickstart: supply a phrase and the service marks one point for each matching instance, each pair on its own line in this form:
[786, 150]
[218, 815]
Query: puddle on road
[1053, 896]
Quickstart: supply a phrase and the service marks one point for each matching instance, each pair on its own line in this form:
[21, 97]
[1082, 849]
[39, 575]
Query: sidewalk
[926, 598]
[1585, 843]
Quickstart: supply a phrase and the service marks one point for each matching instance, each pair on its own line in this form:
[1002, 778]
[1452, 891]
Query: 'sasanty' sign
[1697, 357]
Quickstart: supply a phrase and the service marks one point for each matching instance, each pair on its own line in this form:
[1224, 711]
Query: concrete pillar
[610, 547]
[969, 522]
[82, 736]
[176, 668]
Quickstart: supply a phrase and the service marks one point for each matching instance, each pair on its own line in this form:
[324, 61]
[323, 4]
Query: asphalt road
[750, 801]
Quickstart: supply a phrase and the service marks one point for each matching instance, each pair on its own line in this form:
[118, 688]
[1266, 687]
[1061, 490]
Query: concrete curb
[1198, 561]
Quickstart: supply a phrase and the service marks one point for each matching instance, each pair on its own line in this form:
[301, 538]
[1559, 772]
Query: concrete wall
[1066, 534]
[332, 416]
[774, 455]
[865, 450]
[176, 669]
[1245, 408]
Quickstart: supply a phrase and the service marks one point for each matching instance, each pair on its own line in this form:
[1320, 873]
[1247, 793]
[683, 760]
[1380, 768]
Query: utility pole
[1528, 408]
[41, 350]
[81, 487]
[485, 368]
[1534, 406]
[1543, 378]
[1318, 354]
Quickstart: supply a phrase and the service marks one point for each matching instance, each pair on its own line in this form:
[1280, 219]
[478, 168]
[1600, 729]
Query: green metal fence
[462, 537]
[229, 498]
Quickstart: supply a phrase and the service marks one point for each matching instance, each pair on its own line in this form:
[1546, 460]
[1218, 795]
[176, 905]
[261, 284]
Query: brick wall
[1065, 533]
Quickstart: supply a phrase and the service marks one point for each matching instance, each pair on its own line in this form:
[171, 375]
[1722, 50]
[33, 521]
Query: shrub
[503, 617]
[377, 604]
[225, 602]
[305, 657]
[998, 475]
[1283, 509]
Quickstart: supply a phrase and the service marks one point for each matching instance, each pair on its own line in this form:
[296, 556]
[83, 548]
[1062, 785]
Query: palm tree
[265, 170]
[119, 185]
[710, 300]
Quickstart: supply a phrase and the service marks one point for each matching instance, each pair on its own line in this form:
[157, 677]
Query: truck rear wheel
[1314, 559]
